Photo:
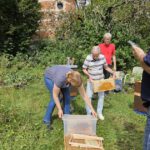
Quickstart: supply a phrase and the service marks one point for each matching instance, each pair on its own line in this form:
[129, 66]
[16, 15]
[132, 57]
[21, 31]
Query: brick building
[51, 11]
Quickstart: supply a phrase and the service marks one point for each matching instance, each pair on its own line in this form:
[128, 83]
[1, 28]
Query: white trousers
[89, 91]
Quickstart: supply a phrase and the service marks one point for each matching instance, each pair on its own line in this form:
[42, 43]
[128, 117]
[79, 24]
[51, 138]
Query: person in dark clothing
[145, 90]
[144, 60]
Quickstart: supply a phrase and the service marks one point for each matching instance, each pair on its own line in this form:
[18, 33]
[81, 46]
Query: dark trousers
[106, 73]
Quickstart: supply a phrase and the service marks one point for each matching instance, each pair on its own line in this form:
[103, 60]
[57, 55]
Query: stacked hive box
[138, 103]
[80, 133]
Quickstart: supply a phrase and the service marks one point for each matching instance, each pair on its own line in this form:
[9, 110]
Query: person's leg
[89, 91]
[47, 118]
[106, 73]
[148, 142]
[66, 100]
[147, 135]
[100, 105]
[146, 145]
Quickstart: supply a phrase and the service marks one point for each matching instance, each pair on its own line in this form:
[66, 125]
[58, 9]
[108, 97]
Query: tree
[18, 22]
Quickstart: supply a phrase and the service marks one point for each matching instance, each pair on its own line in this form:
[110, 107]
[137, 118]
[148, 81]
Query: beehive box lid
[104, 85]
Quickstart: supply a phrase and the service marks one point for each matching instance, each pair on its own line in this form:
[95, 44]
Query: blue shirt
[145, 88]
[58, 75]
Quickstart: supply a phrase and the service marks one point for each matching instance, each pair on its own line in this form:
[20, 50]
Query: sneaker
[101, 117]
[71, 109]
[48, 125]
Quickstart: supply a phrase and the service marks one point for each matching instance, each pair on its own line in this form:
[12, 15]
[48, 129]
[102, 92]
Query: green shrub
[18, 23]
[85, 28]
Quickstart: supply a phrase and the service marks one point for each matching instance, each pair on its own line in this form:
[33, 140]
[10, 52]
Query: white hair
[96, 49]
[107, 35]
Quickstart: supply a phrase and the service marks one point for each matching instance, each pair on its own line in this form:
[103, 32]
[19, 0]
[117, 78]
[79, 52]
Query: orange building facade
[51, 11]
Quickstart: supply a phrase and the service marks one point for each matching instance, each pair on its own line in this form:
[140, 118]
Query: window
[82, 3]
[60, 5]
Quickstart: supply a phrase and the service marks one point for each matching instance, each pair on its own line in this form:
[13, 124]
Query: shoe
[101, 117]
[48, 125]
[71, 109]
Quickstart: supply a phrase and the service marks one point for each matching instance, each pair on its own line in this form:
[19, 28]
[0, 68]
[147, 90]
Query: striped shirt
[95, 67]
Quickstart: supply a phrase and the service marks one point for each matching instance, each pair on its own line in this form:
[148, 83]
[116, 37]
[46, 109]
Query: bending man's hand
[94, 113]
[60, 113]
[56, 92]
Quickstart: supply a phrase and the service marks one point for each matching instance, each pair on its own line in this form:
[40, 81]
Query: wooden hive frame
[79, 141]
[103, 85]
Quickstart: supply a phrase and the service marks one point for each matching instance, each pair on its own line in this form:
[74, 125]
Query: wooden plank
[137, 87]
[103, 85]
[87, 141]
[81, 136]
[70, 147]
[84, 145]
[137, 94]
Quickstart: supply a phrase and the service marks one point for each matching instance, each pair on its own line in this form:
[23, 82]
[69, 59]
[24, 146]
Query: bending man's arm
[56, 91]
[86, 99]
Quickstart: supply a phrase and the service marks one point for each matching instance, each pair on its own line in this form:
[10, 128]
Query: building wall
[51, 11]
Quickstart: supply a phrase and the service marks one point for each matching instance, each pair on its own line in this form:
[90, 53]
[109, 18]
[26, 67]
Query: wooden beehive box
[137, 87]
[73, 91]
[104, 85]
[138, 103]
[82, 142]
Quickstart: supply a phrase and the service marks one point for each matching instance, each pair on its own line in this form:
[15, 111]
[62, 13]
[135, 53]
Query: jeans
[147, 133]
[89, 91]
[66, 101]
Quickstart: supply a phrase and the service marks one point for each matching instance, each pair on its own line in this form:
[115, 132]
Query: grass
[22, 110]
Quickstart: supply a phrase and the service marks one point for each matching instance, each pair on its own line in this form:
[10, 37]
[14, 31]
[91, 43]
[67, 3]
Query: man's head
[95, 52]
[107, 38]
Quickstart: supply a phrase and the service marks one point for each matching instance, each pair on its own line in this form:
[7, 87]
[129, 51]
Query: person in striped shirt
[93, 67]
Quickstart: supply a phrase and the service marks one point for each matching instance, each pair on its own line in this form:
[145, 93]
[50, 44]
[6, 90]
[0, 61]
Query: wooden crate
[137, 87]
[73, 91]
[82, 142]
[103, 85]
[138, 103]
